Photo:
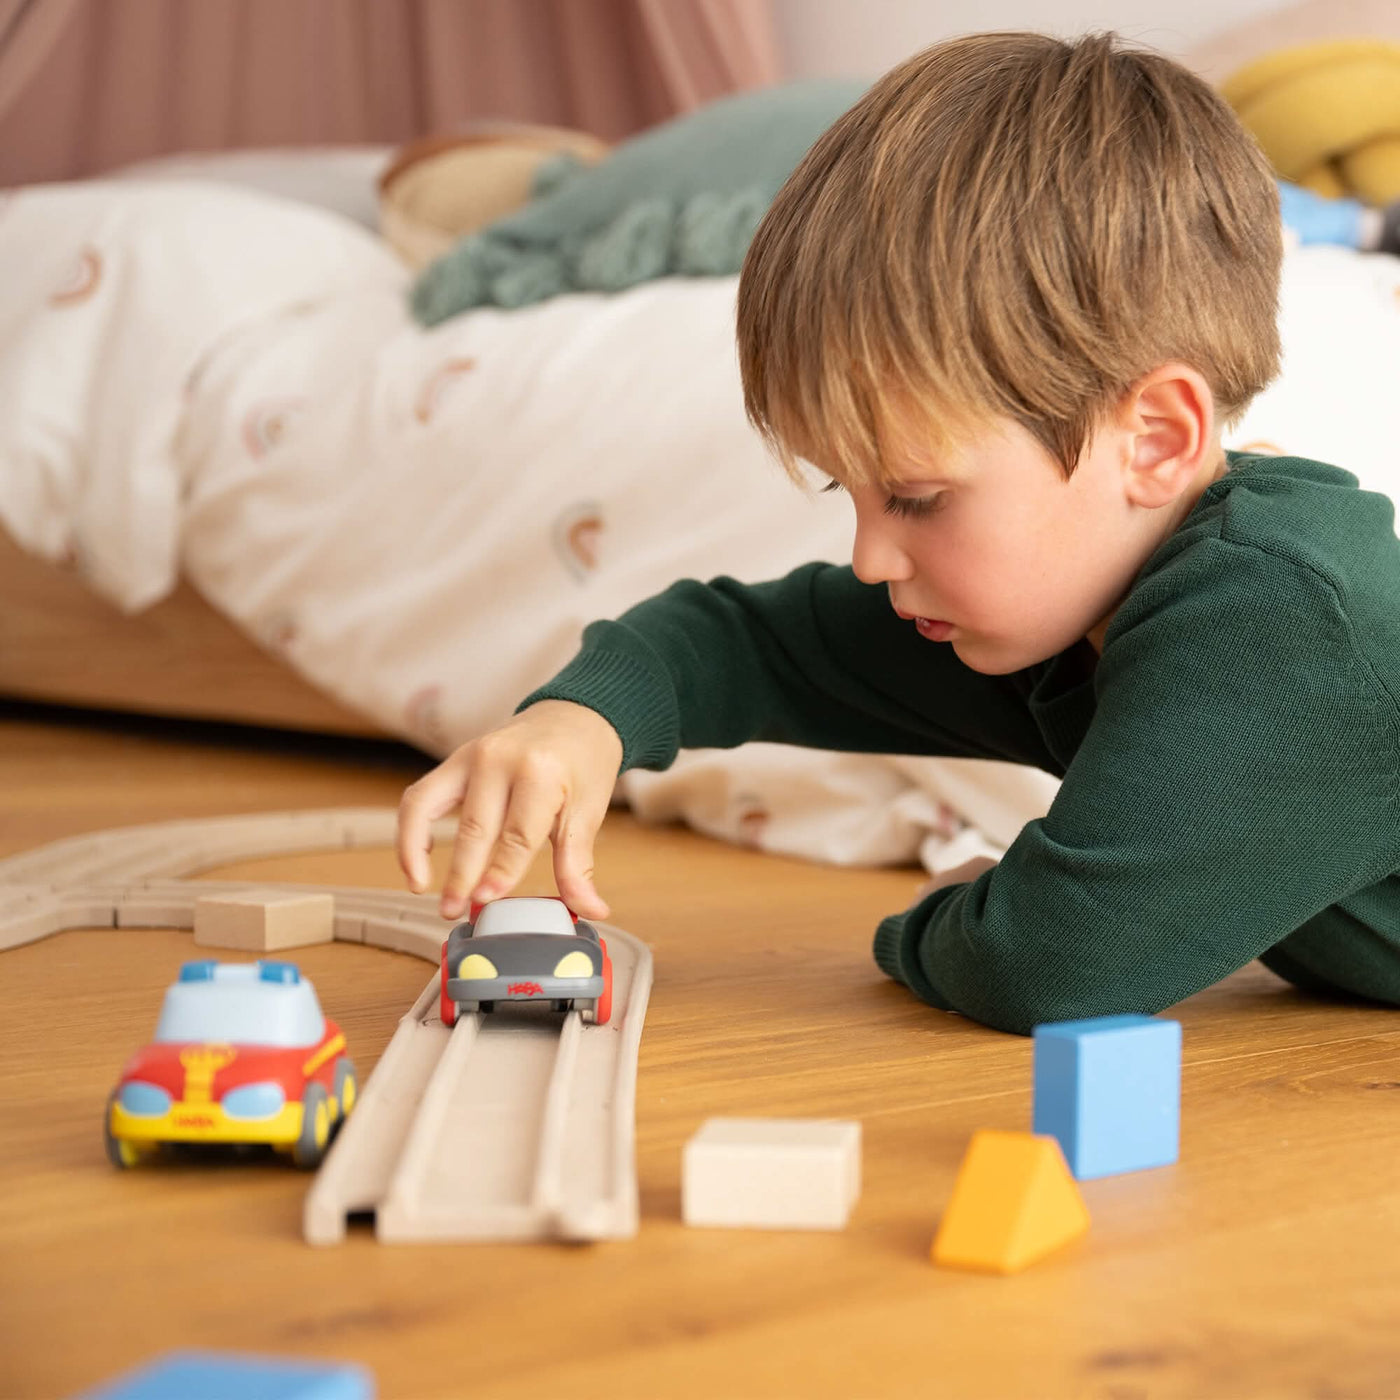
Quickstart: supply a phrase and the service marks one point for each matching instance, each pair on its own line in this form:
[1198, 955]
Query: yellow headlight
[575, 964]
[474, 965]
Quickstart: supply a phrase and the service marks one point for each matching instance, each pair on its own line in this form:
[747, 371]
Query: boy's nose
[876, 558]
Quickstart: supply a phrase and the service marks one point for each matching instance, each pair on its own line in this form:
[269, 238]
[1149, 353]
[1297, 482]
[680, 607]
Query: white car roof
[235, 1002]
[523, 914]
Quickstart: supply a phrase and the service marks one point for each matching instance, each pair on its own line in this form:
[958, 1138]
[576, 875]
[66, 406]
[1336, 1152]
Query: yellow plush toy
[441, 187]
[1327, 116]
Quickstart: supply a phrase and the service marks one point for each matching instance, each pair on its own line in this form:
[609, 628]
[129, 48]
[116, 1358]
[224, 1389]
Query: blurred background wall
[845, 37]
[88, 85]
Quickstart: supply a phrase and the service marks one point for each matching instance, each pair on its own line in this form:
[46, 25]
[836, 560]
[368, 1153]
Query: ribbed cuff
[893, 937]
[615, 686]
[888, 936]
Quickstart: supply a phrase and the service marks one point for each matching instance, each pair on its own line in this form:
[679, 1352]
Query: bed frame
[62, 644]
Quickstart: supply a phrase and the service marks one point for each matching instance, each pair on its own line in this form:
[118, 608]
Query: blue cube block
[212, 1375]
[1109, 1089]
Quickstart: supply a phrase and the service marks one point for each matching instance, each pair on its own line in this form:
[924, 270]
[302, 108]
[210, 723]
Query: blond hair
[1010, 225]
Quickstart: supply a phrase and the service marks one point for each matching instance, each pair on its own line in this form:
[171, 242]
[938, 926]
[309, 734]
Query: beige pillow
[440, 187]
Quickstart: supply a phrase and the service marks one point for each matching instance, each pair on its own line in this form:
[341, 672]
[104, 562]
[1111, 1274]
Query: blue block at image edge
[210, 1375]
[1109, 1089]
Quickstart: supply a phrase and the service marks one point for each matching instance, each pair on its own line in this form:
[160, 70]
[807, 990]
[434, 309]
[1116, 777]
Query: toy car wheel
[602, 1010]
[447, 1008]
[315, 1127]
[486, 1005]
[561, 1004]
[345, 1087]
[122, 1152]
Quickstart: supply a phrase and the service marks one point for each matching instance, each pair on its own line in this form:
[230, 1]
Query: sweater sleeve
[815, 658]
[1232, 785]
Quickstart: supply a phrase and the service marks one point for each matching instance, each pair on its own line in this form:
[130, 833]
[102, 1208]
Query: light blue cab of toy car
[260, 1003]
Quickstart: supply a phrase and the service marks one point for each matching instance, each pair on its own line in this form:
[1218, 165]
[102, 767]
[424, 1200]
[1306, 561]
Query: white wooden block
[263, 921]
[771, 1173]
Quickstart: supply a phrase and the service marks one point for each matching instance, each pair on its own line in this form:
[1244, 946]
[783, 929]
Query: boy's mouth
[934, 628]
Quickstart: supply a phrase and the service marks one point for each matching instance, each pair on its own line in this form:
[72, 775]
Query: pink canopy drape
[86, 85]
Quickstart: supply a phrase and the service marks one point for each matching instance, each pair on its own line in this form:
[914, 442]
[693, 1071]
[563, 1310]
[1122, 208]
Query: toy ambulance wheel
[315, 1128]
[346, 1086]
[122, 1152]
[603, 1010]
[447, 1008]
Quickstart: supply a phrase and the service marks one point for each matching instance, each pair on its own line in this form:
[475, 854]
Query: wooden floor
[1265, 1263]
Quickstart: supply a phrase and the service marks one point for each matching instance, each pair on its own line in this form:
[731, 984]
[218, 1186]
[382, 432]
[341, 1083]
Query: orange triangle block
[1014, 1202]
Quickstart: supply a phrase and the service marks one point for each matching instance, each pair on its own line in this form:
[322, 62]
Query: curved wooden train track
[511, 1125]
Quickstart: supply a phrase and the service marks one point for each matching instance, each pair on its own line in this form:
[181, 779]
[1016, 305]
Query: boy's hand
[968, 870]
[547, 774]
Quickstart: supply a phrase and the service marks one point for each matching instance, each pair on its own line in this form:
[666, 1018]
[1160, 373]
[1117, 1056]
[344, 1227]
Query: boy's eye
[914, 507]
[907, 507]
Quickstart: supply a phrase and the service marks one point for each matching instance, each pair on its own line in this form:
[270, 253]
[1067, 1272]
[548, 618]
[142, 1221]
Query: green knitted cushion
[681, 199]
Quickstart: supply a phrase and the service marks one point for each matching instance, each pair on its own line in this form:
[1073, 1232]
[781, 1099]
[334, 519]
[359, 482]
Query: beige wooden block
[771, 1173]
[263, 921]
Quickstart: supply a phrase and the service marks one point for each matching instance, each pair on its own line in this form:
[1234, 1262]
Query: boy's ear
[1167, 420]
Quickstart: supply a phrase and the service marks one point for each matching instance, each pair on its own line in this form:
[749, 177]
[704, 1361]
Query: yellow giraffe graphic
[202, 1063]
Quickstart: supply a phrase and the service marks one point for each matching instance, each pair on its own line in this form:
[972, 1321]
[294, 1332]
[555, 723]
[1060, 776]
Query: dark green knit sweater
[1229, 763]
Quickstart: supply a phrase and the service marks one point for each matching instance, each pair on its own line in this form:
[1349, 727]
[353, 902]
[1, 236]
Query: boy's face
[995, 542]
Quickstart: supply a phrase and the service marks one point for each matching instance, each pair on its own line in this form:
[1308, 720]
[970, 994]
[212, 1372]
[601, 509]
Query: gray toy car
[526, 949]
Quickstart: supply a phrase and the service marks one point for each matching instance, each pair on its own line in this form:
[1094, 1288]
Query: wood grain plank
[1262, 1264]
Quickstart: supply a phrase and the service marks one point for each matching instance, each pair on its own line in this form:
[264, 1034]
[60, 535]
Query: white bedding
[212, 380]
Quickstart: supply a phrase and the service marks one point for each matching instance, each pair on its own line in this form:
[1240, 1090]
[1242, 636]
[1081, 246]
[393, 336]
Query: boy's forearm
[814, 658]
[1015, 975]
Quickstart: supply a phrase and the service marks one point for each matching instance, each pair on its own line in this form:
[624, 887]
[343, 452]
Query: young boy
[1007, 303]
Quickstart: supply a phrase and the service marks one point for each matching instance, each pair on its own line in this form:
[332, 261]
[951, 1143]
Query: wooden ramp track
[515, 1124]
